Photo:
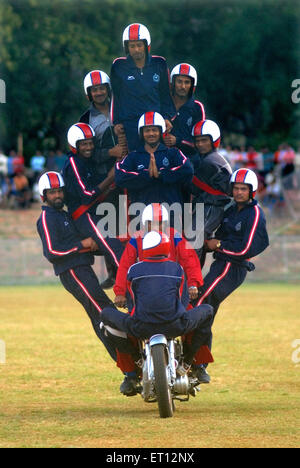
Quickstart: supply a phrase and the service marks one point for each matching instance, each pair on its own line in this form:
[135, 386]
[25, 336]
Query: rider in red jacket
[155, 217]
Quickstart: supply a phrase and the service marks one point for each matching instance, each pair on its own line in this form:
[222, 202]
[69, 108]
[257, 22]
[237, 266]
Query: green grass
[59, 388]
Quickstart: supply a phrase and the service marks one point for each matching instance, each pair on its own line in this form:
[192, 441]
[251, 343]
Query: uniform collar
[188, 104]
[132, 64]
[247, 205]
[51, 209]
[156, 260]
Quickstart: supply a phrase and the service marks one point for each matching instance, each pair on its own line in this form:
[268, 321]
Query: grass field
[58, 388]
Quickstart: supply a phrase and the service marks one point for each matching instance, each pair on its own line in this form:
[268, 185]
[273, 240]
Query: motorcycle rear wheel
[163, 392]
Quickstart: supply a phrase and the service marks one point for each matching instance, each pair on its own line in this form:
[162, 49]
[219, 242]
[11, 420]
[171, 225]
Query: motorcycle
[161, 382]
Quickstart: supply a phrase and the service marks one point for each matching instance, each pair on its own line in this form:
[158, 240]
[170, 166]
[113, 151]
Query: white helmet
[210, 128]
[187, 70]
[93, 78]
[245, 176]
[136, 32]
[79, 131]
[156, 244]
[155, 212]
[50, 180]
[151, 119]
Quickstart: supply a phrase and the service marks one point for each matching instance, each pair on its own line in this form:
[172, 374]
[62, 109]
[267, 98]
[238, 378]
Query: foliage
[245, 54]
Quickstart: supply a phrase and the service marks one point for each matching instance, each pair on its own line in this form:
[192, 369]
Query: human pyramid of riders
[146, 136]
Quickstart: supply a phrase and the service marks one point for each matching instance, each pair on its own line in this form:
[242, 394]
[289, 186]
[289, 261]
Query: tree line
[246, 55]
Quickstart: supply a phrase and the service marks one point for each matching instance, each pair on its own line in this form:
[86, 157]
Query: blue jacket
[137, 91]
[185, 118]
[151, 302]
[81, 180]
[175, 172]
[60, 239]
[211, 182]
[243, 234]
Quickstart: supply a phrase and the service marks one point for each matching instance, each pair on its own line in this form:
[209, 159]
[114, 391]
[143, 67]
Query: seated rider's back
[158, 289]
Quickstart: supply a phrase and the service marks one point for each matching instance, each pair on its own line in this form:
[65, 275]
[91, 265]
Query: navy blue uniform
[61, 247]
[160, 297]
[191, 112]
[175, 172]
[136, 91]
[81, 181]
[243, 235]
[210, 186]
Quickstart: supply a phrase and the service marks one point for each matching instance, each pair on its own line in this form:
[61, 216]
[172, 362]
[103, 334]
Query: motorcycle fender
[158, 339]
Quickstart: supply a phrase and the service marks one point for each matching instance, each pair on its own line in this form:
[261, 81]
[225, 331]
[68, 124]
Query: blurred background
[247, 58]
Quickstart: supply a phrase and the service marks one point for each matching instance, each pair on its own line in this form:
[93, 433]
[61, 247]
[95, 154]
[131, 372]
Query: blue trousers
[199, 319]
[111, 248]
[131, 132]
[221, 280]
[83, 284]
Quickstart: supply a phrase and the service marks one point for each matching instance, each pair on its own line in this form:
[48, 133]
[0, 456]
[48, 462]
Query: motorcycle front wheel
[163, 392]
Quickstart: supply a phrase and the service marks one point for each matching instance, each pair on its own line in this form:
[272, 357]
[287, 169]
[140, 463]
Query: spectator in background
[18, 163]
[267, 159]
[238, 157]
[20, 189]
[272, 196]
[3, 173]
[60, 159]
[14, 163]
[37, 164]
[3, 165]
[285, 157]
[252, 158]
[50, 161]
[10, 166]
[227, 153]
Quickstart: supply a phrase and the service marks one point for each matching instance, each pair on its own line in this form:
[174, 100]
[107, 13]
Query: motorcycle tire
[163, 392]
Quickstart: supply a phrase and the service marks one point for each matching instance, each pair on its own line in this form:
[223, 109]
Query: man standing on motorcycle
[156, 312]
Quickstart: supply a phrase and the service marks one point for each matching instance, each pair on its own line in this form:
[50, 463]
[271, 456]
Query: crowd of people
[147, 137]
[18, 181]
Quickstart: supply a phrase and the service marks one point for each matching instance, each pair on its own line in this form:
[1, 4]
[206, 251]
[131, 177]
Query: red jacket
[186, 257]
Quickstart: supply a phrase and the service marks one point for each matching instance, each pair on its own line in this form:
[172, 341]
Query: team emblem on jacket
[130, 77]
[166, 162]
[189, 122]
[156, 78]
[141, 167]
[238, 226]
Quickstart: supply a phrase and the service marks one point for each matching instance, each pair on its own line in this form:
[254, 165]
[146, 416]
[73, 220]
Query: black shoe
[129, 387]
[202, 376]
[108, 283]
